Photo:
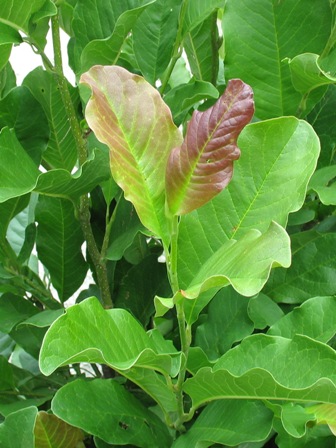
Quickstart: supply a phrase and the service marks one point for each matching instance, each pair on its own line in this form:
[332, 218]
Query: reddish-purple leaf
[202, 166]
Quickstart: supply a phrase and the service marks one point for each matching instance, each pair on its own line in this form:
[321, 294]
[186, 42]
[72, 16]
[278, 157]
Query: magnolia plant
[195, 154]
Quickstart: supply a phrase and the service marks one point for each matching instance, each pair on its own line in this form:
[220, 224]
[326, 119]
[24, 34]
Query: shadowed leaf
[203, 165]
[106, 409]
[17, 431]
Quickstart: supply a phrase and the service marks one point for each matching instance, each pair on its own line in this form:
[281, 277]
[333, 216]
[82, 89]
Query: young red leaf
[128, 114]
[202, 166]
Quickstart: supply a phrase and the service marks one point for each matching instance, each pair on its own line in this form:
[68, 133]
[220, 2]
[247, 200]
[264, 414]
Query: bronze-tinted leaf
[128, 114]
[202, 166]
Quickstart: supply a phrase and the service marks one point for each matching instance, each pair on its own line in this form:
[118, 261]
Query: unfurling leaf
[202, 166]
[128, 114]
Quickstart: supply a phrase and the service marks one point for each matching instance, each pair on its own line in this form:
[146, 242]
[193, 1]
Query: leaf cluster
[167, 225]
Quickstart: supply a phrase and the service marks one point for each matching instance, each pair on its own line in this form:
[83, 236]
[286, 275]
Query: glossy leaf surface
[203, 165]
[128, 115]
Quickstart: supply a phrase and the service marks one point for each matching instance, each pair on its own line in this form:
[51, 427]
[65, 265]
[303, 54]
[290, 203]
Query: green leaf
[312, 272]
[43, 318]
[302, 320]
[198, 10]
[197, 359]
[33, 134]
[245, 263]
[5, 51]
[15, 159]
[227, 322]
[127, 114]
[107, 410]
[315, 437]
[323, 183]
[7, 80]
[7, 377]
[182, 98]
[295, 418]
[154, 35]
[125, 227]
[8, 35]
[6, 345]
[201, 47]
[13, 310]
[52, 432]
[263, 311]
[228, 423]
[139, 285]
[98, 19]
[307, 74]
[61, 151]
[59, 241]
[9, 209]
[107, 51]
[270, 180]
[258, 58]
[61, 183]
[17, 431]
[29, 338]
[258, 368]
[121, 342]
[20, 15]
[21, 230]
[323, 118]
[202, 166]
[325, 414]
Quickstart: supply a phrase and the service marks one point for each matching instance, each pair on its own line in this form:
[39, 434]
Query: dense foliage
[195, 154]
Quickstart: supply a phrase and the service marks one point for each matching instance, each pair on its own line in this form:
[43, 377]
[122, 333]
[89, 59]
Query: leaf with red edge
[128, 114]
[202, 166]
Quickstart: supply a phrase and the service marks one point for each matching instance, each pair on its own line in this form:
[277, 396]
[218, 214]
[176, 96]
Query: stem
[331, 42]
[84, 210]
[177, 51]
[65, 94]
[184, 328]
[173, 256]
[99, 263]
